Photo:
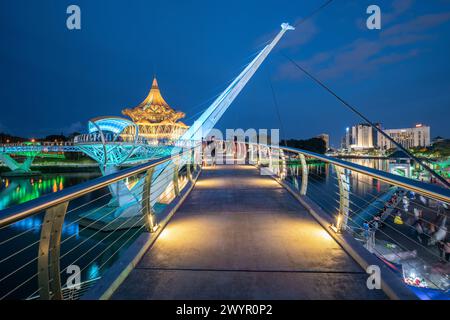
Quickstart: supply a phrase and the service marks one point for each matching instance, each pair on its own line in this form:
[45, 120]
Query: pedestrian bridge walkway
[240, 235]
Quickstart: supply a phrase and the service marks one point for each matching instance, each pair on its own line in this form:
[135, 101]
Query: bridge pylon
[17, 168]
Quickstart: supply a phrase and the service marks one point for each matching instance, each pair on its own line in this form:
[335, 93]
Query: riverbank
[59, 167]
[340, 156]
[360, 157]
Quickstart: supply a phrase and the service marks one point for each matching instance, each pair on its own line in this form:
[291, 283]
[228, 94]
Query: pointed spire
[154, 97]
[154, 108]
[155, 83]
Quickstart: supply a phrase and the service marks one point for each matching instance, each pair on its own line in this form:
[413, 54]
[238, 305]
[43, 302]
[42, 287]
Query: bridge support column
[283, 167]
[277, 162]
[127, 203]
[176, 187]
[190, 165]
[344, 198]
[123, 209]
[16, 167]
[198, 157]
[49, 278]
[147, 210]
[304, 186]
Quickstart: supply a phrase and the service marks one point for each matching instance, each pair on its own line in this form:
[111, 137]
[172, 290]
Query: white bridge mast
[203, 125]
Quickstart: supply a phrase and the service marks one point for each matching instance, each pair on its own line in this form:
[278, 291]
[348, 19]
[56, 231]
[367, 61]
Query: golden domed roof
[154, 109]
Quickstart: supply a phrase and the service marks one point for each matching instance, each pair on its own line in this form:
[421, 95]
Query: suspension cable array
[402, 224]
[83, 227]
[354, 110]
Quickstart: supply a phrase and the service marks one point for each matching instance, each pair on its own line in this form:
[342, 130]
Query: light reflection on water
[26, 233]
[323, 185]
[15, 191]
[34, 223]
[364, 190]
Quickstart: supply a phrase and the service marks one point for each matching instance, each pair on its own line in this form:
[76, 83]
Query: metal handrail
[56, 204]
[344, 212]
[32, 207]
[426, 189]
[108, 138]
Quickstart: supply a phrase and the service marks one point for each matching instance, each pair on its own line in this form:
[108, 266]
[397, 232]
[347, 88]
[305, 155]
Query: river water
[18, 260]
[103, 250]
[17, 190]
[19, 242]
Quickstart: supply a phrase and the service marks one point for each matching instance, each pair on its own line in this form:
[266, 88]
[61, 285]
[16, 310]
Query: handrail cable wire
[345, 103]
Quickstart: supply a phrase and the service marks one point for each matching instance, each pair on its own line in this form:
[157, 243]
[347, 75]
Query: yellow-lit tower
[156, 120]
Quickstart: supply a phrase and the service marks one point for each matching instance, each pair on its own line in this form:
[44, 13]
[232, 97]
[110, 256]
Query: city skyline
[404, 61]
[363, 137]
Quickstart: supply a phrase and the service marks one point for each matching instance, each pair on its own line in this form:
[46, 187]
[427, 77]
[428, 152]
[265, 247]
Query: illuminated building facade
[362, 136]
[419, 136]
[347, 139]
[155, 119]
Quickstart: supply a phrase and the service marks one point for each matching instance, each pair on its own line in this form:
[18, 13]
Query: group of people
[430, 233]
[425, 231]
[209, 147]
[209, 152]
[377, 220]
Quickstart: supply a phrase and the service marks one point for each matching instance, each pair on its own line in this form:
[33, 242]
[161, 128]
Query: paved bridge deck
[240, 235]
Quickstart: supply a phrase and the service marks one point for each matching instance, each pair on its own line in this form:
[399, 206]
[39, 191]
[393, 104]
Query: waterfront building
[362, 137]
[347, 140]
[400, 164]
[419, 136]
[437, 139]
[155, 119]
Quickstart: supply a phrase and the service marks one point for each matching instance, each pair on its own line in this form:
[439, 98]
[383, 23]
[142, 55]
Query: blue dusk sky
[54, 80]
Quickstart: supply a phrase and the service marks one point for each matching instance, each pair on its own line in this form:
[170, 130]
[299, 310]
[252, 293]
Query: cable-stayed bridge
[228, 220]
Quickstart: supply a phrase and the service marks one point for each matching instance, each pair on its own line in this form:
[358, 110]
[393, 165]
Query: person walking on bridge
[211, 150]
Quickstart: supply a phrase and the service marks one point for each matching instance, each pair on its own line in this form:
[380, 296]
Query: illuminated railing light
[338, 224]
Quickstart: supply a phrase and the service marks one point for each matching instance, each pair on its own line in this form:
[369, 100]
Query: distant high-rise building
[419, 136]
[348, 138]
[362, 136]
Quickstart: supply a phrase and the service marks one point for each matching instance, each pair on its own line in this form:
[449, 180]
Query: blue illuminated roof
[109, 124]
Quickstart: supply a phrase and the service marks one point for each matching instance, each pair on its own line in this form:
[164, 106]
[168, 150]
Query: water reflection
[34, 224]
[93, 271]
[323, 184]
[17, 190]
[18, 256]
[369, 197]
